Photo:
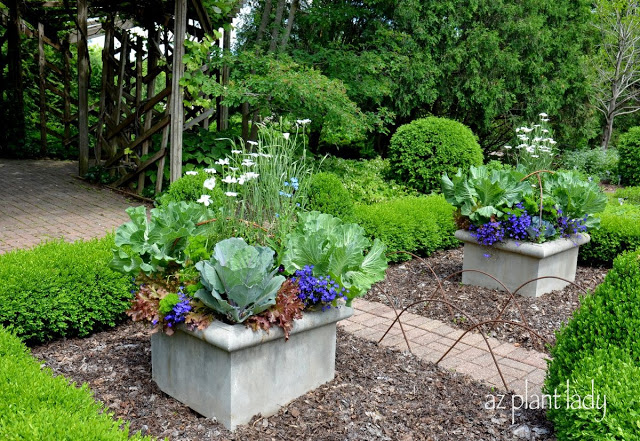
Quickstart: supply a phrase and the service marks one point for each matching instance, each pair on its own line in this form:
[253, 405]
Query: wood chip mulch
[413, 281]
[378, 394]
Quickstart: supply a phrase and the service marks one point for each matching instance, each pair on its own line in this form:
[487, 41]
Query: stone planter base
[515, 263]
[232, 373]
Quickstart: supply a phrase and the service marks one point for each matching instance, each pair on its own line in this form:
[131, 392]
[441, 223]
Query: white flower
[542, 115]
[527, 130]
[254, 155]
[544, 119]
[552, 142]
[545, 131]
[205, 199]
[537, 139]
[213, 171]
[191, 173]
[302, 122]
[252, 143]
[507, 147]
[224, 161]
[535, 156]
[241, 180]
[229, 180]
[521, 146]
[523, 137]
[233, 168]
[236, 152]
[210, 183]
[251, 175]
[285, 135]
[231, 194]
[265, 155]
[247, 162]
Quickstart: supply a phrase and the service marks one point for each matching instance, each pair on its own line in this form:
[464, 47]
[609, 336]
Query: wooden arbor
[140, 97]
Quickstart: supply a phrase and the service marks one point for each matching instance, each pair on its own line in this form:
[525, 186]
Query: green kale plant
[341, 251]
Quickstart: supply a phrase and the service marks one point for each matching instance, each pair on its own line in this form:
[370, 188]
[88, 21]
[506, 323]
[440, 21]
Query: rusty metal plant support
[475, 325]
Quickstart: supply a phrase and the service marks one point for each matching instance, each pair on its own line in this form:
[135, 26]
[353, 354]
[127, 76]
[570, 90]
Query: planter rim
[538, 250]
[236, 337]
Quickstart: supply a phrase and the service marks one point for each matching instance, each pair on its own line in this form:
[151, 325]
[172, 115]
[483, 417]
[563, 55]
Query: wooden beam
[177, 94]
[141, 168]
[147, 106]
[83, 90]
[15, 83]
[43, 95]
[198, 119]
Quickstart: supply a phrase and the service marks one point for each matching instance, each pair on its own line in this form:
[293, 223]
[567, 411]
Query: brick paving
[43, 200]
[429, 339]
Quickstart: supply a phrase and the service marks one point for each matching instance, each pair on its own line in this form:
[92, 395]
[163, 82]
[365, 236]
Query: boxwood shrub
[629, 153]
[61, 289]
[189, 188]
[615, 378]
[608, 318]
[418, 224]
[619, 231]
[421, 151]
[35, 405]
[328, 195]
[630, 195]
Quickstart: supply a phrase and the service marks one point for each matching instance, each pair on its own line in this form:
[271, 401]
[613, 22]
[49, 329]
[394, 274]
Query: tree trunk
[266, 14]
[606, 133]
[295, 4]
[277, 22]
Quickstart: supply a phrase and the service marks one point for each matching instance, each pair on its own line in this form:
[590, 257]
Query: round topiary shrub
[629, 157]
[421, 151]
[328, 195]
[189, 188]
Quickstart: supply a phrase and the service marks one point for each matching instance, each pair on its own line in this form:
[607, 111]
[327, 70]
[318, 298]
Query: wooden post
[226, 49]
[43, 97]
[104, 92]
[152, 62]
[66, 55]
[83, 90]
[177, 107]
[14, 56]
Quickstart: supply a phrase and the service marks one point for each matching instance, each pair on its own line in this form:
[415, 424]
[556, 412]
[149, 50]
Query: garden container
[232, 373]
[514, 263]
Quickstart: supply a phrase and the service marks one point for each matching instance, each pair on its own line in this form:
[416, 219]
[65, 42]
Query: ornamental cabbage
[341, 251]
[239, 281]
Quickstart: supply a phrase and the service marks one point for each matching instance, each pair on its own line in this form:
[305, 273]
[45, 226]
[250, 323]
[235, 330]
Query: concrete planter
[514, 263]
[231, 373]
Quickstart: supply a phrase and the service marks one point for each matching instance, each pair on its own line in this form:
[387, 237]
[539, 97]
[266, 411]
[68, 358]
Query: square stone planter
[231, 373]
[514, 263]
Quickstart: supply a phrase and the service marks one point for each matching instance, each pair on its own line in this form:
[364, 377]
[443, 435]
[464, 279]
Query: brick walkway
[42, 200]
[523, 370]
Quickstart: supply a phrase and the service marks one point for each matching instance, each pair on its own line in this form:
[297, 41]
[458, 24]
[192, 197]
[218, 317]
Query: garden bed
[396, 397]
[545, 314]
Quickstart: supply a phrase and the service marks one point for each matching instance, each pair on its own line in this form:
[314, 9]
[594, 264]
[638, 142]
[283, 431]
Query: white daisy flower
[230, 180]
[213, 171]
[231, 194]
[210, 183]
[191, 173]
[224, 161]
[205, 199]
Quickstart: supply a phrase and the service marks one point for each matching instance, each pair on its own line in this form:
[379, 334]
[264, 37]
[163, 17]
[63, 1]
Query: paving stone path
[43, 200]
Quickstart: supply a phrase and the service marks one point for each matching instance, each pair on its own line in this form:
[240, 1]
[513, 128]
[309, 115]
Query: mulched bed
[378, 394]
[412, 281]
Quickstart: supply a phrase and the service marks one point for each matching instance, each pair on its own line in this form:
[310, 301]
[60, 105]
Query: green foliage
[612, 378]
[167, 303]
[576, 197]
[419, 225]
[610, 317]
[328, 195]
[619, 231]
[365, 180]
[61, 290]
[36, 405]
[189, 188]
[629, 152]
[420, 152]
[596, 162]
[239, 281]
[630, 195]
[481, 194]
[341, 251]
[150, 246]
[201, 148]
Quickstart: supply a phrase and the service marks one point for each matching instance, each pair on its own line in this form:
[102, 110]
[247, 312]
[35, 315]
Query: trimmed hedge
[328, 195]
[35, 405]
[62, 289]
[619, 231]
[629, 157]
[615, 377]
[631, 195]
[610, 317]
[189, 188]
[422, 151]
[420, 225]
[601, 342]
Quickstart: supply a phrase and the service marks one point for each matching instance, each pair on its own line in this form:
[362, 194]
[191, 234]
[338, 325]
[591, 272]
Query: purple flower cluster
[569, 227]
[488, 234]
[321, 290]
[517, 225]
[179, 311]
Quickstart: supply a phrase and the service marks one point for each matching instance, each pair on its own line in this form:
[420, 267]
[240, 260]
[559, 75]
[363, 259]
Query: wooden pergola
[133, 105]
